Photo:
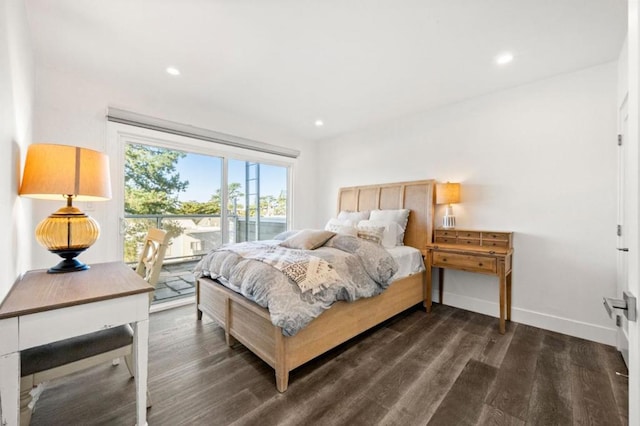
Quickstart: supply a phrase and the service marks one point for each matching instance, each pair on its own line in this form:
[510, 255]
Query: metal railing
[194, 235]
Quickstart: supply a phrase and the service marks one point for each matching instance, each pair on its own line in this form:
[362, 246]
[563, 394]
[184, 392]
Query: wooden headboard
[417, 196]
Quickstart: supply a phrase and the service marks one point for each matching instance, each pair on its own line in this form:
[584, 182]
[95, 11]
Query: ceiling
[351, 63]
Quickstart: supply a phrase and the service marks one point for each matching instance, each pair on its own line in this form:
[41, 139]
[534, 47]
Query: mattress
[409, 260]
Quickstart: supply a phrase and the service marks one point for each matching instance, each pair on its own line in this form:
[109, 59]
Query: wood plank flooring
[450, 367]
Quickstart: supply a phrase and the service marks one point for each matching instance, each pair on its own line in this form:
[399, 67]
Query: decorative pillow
[285, 234]
[307, 239]
[341, 227]
[354, 217]
[390, 234]
[371, 233]
[400, 216]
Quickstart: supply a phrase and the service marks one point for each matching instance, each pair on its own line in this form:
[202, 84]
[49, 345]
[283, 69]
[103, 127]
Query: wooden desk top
[40, 291]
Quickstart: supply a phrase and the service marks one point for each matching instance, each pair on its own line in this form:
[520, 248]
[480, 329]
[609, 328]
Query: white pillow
[400, 216]
[390, 234]
[341, 227]
[354, 217]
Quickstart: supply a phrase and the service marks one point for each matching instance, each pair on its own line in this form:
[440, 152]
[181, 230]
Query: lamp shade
[52, 171]
[447, 193]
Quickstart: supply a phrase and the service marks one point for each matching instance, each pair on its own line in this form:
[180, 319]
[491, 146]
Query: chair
[47, 362]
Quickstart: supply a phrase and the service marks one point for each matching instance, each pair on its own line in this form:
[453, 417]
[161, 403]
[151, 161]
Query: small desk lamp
[448, 193]
[60, 171]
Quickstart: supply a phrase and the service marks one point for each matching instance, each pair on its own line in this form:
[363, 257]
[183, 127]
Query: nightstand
[484, 252]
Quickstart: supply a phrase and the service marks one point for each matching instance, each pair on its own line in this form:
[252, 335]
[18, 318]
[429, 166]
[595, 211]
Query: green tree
[151, 181]
[267, 205]
[152, 184]
[234, 192]
[197, 207]
[281, 204]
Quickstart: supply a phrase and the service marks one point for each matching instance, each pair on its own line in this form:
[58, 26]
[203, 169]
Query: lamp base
[69, 264]
[449, 222]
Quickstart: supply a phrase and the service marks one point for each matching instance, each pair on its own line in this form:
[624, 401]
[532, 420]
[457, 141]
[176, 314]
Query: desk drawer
[495, 243]
[469, 241]
[469, 234]
[446, 233]
[445, 240]
[500, 236]
[59, 324]
[465, 262]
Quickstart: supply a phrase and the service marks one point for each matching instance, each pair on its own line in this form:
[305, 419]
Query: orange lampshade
[71, 173]
[447, 193]
[55, 171]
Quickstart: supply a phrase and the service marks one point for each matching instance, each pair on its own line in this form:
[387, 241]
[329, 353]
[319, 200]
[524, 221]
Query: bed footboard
[251, 325]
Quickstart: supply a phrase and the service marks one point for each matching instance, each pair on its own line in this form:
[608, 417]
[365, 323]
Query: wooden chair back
[152, 256]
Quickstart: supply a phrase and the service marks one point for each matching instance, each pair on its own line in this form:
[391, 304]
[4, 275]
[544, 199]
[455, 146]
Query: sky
[204, 174]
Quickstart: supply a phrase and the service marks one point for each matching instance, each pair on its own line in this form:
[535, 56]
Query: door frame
[633, 77]
[622, 256]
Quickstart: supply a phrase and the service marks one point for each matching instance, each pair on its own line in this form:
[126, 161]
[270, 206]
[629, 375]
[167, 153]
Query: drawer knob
[444, 259]
[480, 264]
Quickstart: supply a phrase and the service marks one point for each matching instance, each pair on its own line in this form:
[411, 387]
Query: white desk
[42, 308]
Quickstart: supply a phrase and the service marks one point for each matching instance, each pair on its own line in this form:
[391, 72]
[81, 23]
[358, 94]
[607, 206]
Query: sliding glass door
[184, 192]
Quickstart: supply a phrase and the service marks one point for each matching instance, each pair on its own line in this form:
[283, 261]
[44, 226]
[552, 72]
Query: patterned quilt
[355, 268]
[309, 272]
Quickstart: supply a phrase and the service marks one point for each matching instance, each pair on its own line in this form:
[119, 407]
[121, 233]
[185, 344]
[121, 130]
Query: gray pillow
[307, 239]
[285, 234]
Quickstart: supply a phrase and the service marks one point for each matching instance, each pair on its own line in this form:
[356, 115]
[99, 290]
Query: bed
[250, 324]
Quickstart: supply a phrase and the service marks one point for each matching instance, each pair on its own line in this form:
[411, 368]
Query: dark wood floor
[450, 367]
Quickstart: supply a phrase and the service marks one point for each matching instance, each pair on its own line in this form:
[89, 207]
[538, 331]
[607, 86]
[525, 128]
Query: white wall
[70, 109]
[539, 160]
[16, 87]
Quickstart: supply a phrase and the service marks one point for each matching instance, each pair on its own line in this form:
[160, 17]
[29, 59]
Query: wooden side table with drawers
[485, 252]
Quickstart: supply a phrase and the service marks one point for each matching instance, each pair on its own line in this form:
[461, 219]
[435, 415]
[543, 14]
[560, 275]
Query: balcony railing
[192, 236]
[195, 235]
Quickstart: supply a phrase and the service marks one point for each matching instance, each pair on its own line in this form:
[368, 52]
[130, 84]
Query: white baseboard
[583, 330]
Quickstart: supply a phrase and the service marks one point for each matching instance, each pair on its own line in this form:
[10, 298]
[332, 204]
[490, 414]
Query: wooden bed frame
[251, 324]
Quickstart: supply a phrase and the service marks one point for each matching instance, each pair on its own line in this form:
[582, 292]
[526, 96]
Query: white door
[624, 228]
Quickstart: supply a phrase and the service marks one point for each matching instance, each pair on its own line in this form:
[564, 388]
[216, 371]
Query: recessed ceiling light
[173, 71]
[319, 123]
[504, 58]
